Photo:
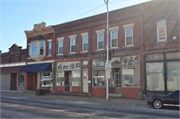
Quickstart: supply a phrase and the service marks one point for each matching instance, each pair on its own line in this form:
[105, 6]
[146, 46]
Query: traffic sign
[108, 74]
[107, 67]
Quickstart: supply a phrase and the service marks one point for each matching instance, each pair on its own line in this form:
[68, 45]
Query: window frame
[40, 48]
[49, 41]
[112, 29]
[58, 40]
[128, 36]
[111, 39]
[29, 51]
[100, 41]
[83, 36]
[72, 37]
[161, 24]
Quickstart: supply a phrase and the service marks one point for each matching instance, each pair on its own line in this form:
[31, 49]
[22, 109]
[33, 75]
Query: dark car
[171, 99]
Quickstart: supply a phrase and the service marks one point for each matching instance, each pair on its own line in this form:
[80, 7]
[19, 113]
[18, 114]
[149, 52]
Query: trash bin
[140, 94]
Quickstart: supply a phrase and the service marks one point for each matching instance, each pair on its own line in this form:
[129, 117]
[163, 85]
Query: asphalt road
[38, 107]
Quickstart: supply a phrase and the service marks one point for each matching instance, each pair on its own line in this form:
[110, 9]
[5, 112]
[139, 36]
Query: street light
[107, 47]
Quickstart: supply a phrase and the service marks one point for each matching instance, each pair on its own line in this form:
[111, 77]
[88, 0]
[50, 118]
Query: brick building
[144, 46]
[11, 64]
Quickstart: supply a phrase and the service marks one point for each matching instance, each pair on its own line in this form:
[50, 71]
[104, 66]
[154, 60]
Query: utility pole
[107, 47]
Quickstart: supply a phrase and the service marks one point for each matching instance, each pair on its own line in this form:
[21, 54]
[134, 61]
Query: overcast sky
[16, 16]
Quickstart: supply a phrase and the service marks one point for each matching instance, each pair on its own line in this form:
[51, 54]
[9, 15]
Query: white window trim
[132, 37]
[159, 24]
[84, 35]
[50, 40]
[60, 39]
[38, 48]
[72, 37]
[111, 39]
[163, 40]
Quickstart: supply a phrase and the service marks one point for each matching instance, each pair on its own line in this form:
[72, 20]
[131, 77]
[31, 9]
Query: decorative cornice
[39, 29]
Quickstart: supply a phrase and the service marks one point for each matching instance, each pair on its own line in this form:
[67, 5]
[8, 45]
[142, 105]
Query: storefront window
[173, 75]
[46, 79]
[131, 77]
[60, 78]
[76, 78]
[21, 79]
[155, 76]
[99, 78]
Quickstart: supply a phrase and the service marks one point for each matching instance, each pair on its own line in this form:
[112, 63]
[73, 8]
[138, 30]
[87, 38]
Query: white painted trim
[60, 38]
[60, 54]
[49, 55]
[84, 34]
[72, 53]
[98, 41]
[158, 34]
[100, 49]
[114, 28]
[114, 48]
[40, 62]
[13, 64]
[128, 46]
[50, 40]
[84, 51]
[72, 36]
[111, 39]
[128, 25]
[132, 37]
[100, 31]
[29, 43]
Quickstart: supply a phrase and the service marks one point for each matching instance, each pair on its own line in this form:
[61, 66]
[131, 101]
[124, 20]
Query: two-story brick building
[144, 46]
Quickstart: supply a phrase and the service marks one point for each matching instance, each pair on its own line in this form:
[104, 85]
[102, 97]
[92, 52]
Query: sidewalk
[80, 98]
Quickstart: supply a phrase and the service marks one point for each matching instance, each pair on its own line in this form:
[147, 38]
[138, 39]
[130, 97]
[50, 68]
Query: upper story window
[41, 48]
[60, 45]
[84, 41]
[128, 34]
[161, 31]
[29, 55]
[49, 47]
[114, 36]
[34, 49]
[72, 43]
[100, 39]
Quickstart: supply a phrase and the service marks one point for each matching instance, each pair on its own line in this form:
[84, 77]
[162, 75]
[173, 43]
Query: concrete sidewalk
[80, 98]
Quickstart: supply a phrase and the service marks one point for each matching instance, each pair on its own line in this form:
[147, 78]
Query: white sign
[108, 74]
[108, 67]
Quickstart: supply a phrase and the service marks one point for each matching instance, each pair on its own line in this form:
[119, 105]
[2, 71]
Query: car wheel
[157, 104]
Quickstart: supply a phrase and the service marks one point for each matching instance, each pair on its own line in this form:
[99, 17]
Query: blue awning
[37, 67]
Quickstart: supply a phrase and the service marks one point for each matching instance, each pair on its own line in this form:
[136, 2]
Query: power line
[14, 43]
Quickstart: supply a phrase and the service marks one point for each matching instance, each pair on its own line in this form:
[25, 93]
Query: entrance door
[35, 81]
[13, 81]
[118, 88]
[68, 86]
[85, 81]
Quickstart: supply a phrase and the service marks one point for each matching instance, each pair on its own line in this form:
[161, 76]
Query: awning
[11, 69]
[37, 67]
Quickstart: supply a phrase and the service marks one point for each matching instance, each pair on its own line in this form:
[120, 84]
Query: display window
[60, 78]
[99, 78]
[131, 77]
[21, 77]
[76, 78]
[46, 79]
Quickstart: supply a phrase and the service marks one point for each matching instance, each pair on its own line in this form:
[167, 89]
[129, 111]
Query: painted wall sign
[68, 66]
[131, 60]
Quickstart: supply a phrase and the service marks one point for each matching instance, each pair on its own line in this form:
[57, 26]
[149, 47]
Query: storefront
[39, 76]
[72, 76]
[125, 76]
[162, 73]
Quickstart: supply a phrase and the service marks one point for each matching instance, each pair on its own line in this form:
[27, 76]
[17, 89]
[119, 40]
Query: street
[38, 107]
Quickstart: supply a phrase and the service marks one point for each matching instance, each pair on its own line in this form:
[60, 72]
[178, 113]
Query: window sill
[60, 54]
[49, 55]
[158, 42]
[100, 49]
[29, 58]
[127, 46]
[84, 51]
[72, 53]
[114, 48]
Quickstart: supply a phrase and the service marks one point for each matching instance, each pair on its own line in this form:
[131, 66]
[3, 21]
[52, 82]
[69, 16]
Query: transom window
[114, 42]
[129, 36]
[100, 44]
[85, 43]
[73, 45]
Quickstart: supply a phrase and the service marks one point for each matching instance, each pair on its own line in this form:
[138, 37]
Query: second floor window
[49, 48]
[73, 45]
[85, 43]
[114, 42]
[161, 30]
[60, 46]
[100, 43]
[34, 49]
[129, 36]
[41, 48]
[29, 55]
[162, 33]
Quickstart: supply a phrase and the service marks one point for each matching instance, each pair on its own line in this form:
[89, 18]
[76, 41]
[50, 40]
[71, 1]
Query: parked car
[171, 99]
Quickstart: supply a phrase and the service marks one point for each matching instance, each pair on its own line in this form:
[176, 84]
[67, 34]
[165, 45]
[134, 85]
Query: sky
[16, 16]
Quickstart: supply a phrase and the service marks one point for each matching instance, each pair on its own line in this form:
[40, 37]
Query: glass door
[118, 87]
